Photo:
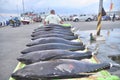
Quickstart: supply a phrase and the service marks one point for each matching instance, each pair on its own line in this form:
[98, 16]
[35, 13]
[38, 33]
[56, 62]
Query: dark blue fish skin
[50, 46]
[46, 55]
[62, 68]
[53, 40]
[55, 35]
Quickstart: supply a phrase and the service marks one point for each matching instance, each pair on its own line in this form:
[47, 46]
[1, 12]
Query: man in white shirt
[52, 18]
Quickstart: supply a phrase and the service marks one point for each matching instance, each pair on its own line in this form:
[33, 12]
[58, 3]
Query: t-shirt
[53, 19]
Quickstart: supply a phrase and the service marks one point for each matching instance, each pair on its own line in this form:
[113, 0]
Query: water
[4, 18]
[115, 58]
[7, 16]
[108, 50]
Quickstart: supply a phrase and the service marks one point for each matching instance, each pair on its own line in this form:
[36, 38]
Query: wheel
[88, 19]
[76, 20]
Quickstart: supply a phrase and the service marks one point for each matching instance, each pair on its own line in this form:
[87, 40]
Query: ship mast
[23, 6]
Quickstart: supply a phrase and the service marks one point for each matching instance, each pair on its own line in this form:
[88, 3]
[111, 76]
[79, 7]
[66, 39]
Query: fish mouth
[24, 61]
[29, 44]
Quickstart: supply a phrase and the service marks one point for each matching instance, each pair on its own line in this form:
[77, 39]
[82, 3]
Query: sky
[14, 7]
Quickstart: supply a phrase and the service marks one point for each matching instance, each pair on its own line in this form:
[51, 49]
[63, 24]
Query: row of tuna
[51, 55]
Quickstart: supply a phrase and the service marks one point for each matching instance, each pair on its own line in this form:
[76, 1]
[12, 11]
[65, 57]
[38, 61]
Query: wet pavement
[107, 46]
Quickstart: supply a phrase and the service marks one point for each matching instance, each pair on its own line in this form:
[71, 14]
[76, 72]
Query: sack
[103, 12]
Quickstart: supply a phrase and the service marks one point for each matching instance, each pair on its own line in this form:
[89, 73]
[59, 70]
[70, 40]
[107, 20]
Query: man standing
[52, 18]
[113, 18]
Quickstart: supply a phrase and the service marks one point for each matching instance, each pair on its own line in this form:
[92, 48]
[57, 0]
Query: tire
[89, 19]
[76, 20]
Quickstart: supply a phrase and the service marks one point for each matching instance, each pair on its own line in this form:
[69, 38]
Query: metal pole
[23, 6]
[99, 17]
[17, 10]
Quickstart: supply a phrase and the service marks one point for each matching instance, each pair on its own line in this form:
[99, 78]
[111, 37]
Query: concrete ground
[14, 40]
[82, 26]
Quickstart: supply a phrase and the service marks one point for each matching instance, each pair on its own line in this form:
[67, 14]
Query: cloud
[65, 3]
[14, 6]
[10, 6]
[76, 3]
